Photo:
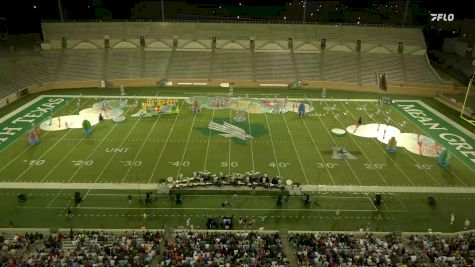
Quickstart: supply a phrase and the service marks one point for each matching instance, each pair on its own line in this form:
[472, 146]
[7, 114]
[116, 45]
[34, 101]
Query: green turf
[169, 145]
[146, 150]
[110, 209]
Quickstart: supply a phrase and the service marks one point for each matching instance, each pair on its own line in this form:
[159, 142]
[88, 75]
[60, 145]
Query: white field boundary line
[99, 176]
[443, 117]
[21, 108]
[209, 140]
[273, 148]
[205, 94]
[229, 142]
[334, 143]
[141, 147]
[143, 143]
[372, 203]
[186, 146]
[223, 196]
[44, 154]
[318, 150]
[84, 198]
[378, 144]
[449, 121]
[55, 197]
[295, 149]
[410, 154]
[214, 209]
[306, 188]
[94, 150]
[24, 150]
[165, 144]
[357, 144]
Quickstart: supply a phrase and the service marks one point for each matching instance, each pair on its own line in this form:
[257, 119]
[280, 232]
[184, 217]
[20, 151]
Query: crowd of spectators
[15, 245]
[190, 248]
[93, 249]
[224, 249]
[446, 250]
[331, 249]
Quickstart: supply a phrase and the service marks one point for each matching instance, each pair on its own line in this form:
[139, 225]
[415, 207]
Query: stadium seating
[232, 64]
[92, 248]
[232, 59]
[449, 250]
[219, 249]
[230, 31]
[237, 248]
[76, 65]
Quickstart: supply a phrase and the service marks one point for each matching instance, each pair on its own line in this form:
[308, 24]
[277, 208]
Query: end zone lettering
[18, 124]
[453, 139]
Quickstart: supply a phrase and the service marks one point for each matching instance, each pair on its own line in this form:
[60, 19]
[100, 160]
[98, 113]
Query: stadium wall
[400, 88]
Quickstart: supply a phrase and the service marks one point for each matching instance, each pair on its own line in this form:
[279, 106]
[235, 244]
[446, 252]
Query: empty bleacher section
[240, 52]
[189, 65]
[371, 37]
[274, 66]
[232, 64]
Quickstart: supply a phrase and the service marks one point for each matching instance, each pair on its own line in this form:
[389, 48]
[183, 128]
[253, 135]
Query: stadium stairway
[67, 244]
[289, 252]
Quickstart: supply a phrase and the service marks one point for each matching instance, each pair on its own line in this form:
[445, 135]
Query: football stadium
[248, 141]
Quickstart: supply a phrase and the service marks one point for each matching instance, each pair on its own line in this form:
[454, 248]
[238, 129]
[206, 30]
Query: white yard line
[273, 148]
[250, 140]
[166, 142]
[445, 118]
[378, 144]
[334, 143]
[63, 158]
[28, 147]
[372, 203]
[99, 176]
[55, 197]
[93, 151]
[229, 142]
[361, 149]
[310, 188]
[318, 150]
[214, 209]
[295, 148]
[21, 108]
[44, 154]
[207, 147]
[141, 147]
[84, 198]
[411, 156]
[449, 121]
[414, 159]
[186, 146]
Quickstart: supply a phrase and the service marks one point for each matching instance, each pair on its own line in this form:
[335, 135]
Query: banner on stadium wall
[3, 102]
[11, 98]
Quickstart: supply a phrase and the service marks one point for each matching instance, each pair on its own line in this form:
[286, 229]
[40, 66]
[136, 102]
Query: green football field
[136, 155]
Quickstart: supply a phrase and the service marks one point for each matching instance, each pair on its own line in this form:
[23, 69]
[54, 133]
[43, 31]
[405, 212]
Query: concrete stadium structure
[334, 56]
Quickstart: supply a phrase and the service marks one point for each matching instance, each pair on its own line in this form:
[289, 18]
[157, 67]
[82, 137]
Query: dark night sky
[23, 17]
